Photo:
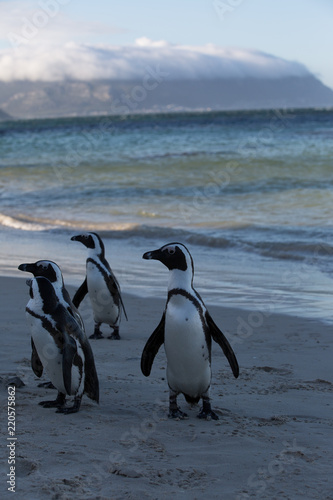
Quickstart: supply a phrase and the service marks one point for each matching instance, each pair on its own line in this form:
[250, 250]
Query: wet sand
[273, 439]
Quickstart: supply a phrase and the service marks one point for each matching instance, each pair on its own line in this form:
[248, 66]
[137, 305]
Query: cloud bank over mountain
[83, 62]
[40, 80]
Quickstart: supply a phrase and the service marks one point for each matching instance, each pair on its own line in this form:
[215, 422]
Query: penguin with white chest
[62, 347]
[186, 329]
[52, 272]
[102, 287]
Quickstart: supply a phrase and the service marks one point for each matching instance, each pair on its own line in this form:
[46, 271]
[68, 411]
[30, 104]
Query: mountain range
[40, 99]
[4, 116]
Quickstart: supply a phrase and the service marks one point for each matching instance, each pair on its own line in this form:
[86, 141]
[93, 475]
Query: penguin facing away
[186, 329]
[102, 287]
[62, 347]
[52, 272]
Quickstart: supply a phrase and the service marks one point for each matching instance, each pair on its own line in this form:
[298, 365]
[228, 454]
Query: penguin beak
[153, 255]
[78, 237]
[28, 268]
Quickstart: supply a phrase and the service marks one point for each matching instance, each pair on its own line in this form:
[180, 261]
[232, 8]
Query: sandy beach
[273, 440]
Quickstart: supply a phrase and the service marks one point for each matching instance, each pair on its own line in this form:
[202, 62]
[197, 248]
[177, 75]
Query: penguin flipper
[72, 309]
[80, 293]
[152, 346]
[123, 307]
[91, 384]
[68, 353]
[36, 363]
[113, 286]
[221, 340]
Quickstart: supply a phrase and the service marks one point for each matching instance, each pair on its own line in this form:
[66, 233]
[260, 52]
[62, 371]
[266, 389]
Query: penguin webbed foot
[46, 385]
[96, 335]
[57, 403]
[115, 334]
[66, 410]
[177, 414]
[207, 414]
[50, 404]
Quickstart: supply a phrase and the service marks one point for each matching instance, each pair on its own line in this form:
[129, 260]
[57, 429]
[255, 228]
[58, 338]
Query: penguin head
[176, 257]
[92, 241]
[42, 294]
[46, 268]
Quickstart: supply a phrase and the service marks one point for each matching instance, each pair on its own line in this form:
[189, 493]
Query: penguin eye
[171, 250]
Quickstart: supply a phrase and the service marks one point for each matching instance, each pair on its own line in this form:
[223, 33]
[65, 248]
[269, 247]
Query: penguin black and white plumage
[52, 272]
[62, 347]
[101, 285]
[186, 329]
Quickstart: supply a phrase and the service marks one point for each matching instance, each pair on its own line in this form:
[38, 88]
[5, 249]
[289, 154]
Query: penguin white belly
[188, 365]
[51, 358]
[105, 310]
[48, 353]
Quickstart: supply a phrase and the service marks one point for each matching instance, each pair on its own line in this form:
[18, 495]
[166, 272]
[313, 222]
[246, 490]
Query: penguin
[62, 347]
[102, 287]
[186, 330]
[52, 272]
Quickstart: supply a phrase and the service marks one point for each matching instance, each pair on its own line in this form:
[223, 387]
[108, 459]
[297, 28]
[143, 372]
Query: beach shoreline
[234, 188]
[271, 440]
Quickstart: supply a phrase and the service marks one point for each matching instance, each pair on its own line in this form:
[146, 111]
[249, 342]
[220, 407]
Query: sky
[88, 39]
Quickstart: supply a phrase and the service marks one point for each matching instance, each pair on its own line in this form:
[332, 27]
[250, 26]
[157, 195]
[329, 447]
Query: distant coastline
[33, 100]
[174, 112]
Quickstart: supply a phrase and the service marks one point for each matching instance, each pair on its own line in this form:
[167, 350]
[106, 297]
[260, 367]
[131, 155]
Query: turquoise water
[250, 193]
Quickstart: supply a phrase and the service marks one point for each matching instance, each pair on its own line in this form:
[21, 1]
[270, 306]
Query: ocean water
[250, 194]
